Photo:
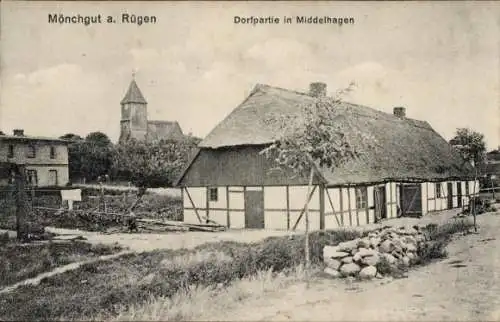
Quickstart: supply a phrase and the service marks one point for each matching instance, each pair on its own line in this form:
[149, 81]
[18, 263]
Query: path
[176, 240]
[465, 286]
[172, 240]
[58, 270]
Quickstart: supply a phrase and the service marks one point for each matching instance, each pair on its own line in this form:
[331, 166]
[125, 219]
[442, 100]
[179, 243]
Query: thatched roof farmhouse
[408, 169]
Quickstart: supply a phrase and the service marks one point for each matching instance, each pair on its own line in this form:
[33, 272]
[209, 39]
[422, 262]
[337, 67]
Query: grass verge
[106, 287]
[23, 261]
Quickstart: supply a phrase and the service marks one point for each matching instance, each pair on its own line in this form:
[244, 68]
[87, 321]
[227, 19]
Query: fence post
[21, 203]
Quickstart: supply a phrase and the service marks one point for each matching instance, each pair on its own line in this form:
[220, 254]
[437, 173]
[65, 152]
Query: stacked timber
[157, 225]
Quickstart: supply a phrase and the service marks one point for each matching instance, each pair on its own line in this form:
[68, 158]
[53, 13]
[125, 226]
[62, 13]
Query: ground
[465, 286]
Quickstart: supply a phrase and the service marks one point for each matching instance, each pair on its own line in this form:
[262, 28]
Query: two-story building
[45, 159]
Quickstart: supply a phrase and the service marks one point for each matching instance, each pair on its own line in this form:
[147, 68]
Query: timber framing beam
[194, 206]
[304, 209]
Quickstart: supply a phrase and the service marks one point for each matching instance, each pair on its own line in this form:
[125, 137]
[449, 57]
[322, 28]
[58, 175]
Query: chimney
[317, 89]
[18, 132]
[400, 112]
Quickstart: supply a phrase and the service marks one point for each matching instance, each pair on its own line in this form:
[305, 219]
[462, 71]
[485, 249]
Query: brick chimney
[18, 132]
[317, 89]
[400, 112]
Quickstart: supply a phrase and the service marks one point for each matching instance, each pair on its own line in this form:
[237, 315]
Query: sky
[439, 60]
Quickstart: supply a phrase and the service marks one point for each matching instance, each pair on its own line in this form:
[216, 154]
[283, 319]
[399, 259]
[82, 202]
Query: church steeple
[133, 94]
[134, 120]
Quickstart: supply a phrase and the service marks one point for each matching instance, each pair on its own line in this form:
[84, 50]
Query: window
[361, 197]
[466, 188]
[31, 177]
[10, 154]
[52, 152]
[438, 190]
[53, 178]
[31, 151]
[213, 194]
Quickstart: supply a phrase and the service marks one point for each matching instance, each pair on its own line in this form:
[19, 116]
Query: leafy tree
[71, 137]
[470, 144]
[98, 139]
[151, 165]
[90, 157]
[473, 148]
[316, 137]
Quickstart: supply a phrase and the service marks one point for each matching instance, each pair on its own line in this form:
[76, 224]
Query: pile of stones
[360, 257]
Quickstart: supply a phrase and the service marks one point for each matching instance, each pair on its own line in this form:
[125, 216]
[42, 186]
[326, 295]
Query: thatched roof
[400, 148]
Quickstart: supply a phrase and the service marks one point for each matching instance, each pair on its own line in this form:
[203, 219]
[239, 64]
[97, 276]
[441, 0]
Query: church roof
[133, 95]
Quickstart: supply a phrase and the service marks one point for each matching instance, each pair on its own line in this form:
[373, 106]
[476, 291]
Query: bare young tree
[316, 137]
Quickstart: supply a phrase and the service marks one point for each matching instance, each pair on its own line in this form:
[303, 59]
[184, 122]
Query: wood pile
[156, 225]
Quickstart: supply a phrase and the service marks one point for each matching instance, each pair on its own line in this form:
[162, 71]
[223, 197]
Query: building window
[52, 152]
[31, 177]
[10, 154]
[361, 197]
[31, 151]
[213, 194]
[53, 178]
[438, 190]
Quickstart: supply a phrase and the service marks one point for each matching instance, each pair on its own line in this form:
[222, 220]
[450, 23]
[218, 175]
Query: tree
[98, 139]
[472, 147]
[71, 137]
[470, 144]
[151, 165]
[316, 137]
[90, 157]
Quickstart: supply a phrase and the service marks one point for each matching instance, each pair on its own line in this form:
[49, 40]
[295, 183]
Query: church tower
[134, 119]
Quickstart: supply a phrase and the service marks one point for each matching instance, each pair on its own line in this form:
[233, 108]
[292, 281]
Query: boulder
[333, 252]
[364, 252]
[333, 263]
[374, 242]
[405, 261]
[371, 260]
[347, 260]
[409, 240]
[364, 243]
[368, 272]
[327, 250]
[411, 248]
[357, 257]
[386, 246]
[389, 258]
[409, 231]
[348, 246]
[332, 272]
[350, 269]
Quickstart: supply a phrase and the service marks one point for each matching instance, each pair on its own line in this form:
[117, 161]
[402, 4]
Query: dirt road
[464, 287]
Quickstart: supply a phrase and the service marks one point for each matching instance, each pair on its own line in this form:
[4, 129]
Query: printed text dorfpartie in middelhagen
[320, 20]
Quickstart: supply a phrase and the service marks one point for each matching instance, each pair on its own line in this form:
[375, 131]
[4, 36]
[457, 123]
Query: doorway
[380, 203]
[254, 209]
[450, 195]
[411, 200]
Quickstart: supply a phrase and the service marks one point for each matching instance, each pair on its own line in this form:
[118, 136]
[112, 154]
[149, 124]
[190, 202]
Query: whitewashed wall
[198, 196]
[237, 207]
[298, 198]
[275, 214]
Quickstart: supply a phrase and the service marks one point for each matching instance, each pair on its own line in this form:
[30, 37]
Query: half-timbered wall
[431, 202]
[284, 204]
